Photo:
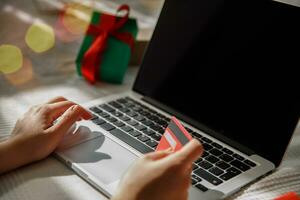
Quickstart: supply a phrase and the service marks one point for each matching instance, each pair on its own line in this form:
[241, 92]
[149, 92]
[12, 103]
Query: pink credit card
[175, 136]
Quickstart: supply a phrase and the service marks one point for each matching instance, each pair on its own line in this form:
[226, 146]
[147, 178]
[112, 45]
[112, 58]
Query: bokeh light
[40, 37]
[63, 34]
[76, 17]
[11, 58]
[22, 76]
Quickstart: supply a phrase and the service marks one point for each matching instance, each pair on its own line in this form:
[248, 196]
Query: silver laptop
[230, 78]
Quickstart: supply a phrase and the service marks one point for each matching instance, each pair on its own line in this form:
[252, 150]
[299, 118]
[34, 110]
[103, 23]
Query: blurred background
[39, 42]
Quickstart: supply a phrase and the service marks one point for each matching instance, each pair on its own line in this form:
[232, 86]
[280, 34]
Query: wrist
[10, 155]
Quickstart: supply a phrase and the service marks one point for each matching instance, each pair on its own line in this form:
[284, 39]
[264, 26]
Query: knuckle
[45, 109]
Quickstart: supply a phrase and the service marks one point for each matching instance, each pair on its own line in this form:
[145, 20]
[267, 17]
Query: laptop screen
[233, 72]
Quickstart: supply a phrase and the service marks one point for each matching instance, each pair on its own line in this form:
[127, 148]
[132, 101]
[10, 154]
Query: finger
[188, 154]
[67, 120]
[56, 99]
[158, 154]
[57, 109]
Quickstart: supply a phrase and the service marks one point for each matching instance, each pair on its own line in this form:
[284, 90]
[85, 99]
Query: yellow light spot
[40, 37]
[23, 75]
[11, 59]
[77, 17]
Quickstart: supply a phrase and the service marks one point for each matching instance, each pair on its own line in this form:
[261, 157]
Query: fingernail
[170, 150]
[73, 107]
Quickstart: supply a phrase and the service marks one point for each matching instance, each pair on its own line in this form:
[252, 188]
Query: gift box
[107, 47]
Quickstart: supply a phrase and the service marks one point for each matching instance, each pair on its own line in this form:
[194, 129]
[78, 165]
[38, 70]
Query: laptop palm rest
[101, 157]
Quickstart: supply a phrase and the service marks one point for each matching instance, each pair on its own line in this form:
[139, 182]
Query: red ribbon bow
[109, 26]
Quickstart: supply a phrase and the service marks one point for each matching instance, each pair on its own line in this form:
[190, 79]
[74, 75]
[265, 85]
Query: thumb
[158, 154]
[188, 154]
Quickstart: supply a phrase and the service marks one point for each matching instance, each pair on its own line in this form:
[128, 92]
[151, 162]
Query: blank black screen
[232, 67]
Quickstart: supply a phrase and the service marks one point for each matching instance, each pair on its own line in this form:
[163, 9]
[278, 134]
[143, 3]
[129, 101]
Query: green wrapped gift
[107, 47]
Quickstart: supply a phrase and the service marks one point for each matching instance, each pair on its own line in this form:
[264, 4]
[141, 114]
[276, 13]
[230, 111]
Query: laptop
[230, 77]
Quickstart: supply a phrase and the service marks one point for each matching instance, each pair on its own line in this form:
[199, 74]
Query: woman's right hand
[162, 175]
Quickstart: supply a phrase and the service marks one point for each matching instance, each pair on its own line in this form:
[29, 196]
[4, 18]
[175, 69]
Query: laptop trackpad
[102, 158]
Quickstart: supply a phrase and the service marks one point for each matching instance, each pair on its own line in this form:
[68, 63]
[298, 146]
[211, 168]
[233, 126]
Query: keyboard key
[161, 122]
[161, 130]
[124, 118]
[147, 123]
[238, 164]
[143, 138]
[133, 123]
[205, 154]
[188, 129]
[222, 165]
[129, 105]
[237, 156]
[216, 145]
[115, 104]
[144, 113]
[208, 177]
[193, 181]
[234, 170]
[94, 117]
[227, 151]
[250, 163]
[107, 126]
[198, 135]
[156, 136]
[140, 127]
[201, 187]
[205, 139]
[126, 128]
[226, 158]
[216, 152]
[119, 124]
[205, 165]
[96, 109]
[136, 108]
[152, 143]
[131, 114]
[111, 119]
[199, 160]
[104, 114]
[155, 127]
[212, 159]
[117, 114]
[195, 166]
[197, 178]
[148, 132]
[135, 133]
[107, 108]
[231, 172]
[98, 121]
[139, 118]
[216, 171]
[124, 110]
[131, 141]
[227, 176]
[207, 147]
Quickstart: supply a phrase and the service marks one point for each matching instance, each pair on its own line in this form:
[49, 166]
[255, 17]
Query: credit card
[175, 136]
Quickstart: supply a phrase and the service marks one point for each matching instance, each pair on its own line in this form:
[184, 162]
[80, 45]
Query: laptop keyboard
[142, 127]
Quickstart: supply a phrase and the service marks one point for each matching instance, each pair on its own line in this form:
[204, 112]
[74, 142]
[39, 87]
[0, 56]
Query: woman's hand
[36, 135]
[160, 175]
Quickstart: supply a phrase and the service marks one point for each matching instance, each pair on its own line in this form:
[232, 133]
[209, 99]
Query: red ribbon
[109, 26]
